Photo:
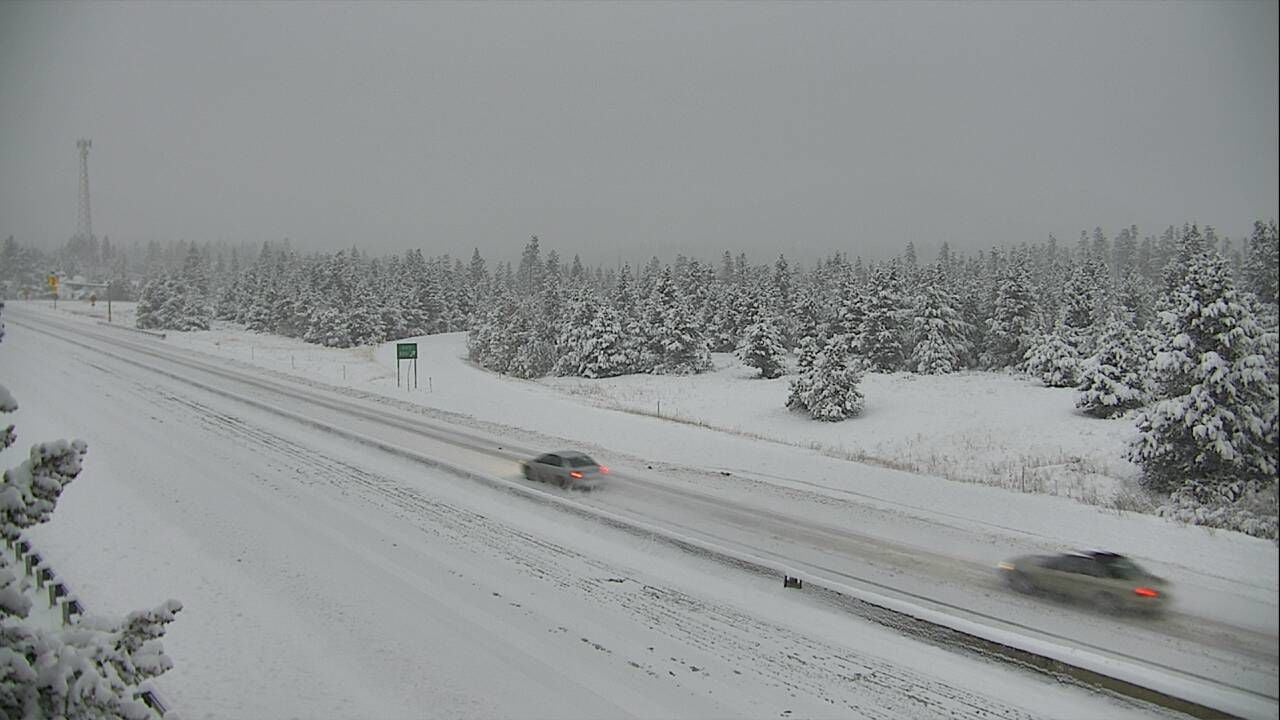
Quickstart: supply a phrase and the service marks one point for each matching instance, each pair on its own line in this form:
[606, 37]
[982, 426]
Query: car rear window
[580, 461]
[1124, 569]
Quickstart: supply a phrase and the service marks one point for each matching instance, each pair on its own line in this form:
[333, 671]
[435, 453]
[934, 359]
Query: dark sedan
[567, 468]
[1109, 581]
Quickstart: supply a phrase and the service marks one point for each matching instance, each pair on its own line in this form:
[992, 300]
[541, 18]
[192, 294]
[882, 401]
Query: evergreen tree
[762, 348]
[154, 294]
[942, 343]
[1081, 301]
[1213, 430]
[882, 336]
[827, 388]
[1188, 248]
[676, 344]
[1054, 360]
[1262, 266]
[592, 341]
[529, 275]
[850, 317]
[1111, 381]
[1013, 318]
[1134, 299]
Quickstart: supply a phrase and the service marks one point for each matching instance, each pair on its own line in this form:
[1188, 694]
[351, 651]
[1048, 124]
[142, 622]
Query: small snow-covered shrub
[1253, 513]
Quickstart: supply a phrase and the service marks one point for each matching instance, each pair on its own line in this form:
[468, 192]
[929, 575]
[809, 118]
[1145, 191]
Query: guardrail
[60, 595]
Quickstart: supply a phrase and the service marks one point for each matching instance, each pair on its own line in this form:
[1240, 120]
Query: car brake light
[575, 474]
[1146, 592]
[604, 470]
[1005, 566]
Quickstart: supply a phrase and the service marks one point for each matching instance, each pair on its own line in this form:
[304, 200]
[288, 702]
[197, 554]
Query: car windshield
[580, 461]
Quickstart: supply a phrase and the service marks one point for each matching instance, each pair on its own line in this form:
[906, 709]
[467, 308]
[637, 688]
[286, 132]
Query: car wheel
[1020, 582]
[1107, 603]
[528, 474]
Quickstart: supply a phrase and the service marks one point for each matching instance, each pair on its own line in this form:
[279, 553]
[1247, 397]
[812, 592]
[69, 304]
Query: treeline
[1180, 326]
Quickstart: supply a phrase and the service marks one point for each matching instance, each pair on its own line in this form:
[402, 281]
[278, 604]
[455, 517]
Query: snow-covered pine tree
[575, 334]
[1112, 380]
[1081, 300]
[364, 316]
[530, 343]
[675, 342]
[808, 313]
[1134, 299]
[153, 298]
[194, 288]
[828, 387]
[1012, 323]
[850, 316]
[1053, 359]
[228, 302]
[600, 348]
[1124, 252]
[942, 337]
[1262, 265]
[1189, 246]
[1213, 430]
[762, 348]
[882, 336]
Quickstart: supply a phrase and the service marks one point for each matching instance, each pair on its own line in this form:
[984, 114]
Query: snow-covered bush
[1253, 512]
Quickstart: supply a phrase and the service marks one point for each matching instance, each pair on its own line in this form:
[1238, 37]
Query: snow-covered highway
[328, 558]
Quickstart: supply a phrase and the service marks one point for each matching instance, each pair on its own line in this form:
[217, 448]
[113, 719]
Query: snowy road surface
[313, 566]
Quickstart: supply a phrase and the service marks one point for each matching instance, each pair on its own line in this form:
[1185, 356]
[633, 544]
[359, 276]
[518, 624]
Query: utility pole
[84, 218]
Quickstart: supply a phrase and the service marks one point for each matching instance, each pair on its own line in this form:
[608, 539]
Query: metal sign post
[407, 351]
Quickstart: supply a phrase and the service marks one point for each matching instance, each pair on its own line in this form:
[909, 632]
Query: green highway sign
[406, 351]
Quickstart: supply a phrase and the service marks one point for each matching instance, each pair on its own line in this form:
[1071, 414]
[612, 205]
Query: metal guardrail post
[70, 607]
[153, 701]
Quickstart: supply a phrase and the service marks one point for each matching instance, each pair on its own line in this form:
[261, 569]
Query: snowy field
[749, 449]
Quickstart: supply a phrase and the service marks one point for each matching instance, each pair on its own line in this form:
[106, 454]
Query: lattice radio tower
[84, 221]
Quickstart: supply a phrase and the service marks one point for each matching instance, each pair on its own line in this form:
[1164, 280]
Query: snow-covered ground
[973, 421]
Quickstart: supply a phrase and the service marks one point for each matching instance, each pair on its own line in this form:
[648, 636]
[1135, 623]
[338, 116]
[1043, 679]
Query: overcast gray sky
[631, 130]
